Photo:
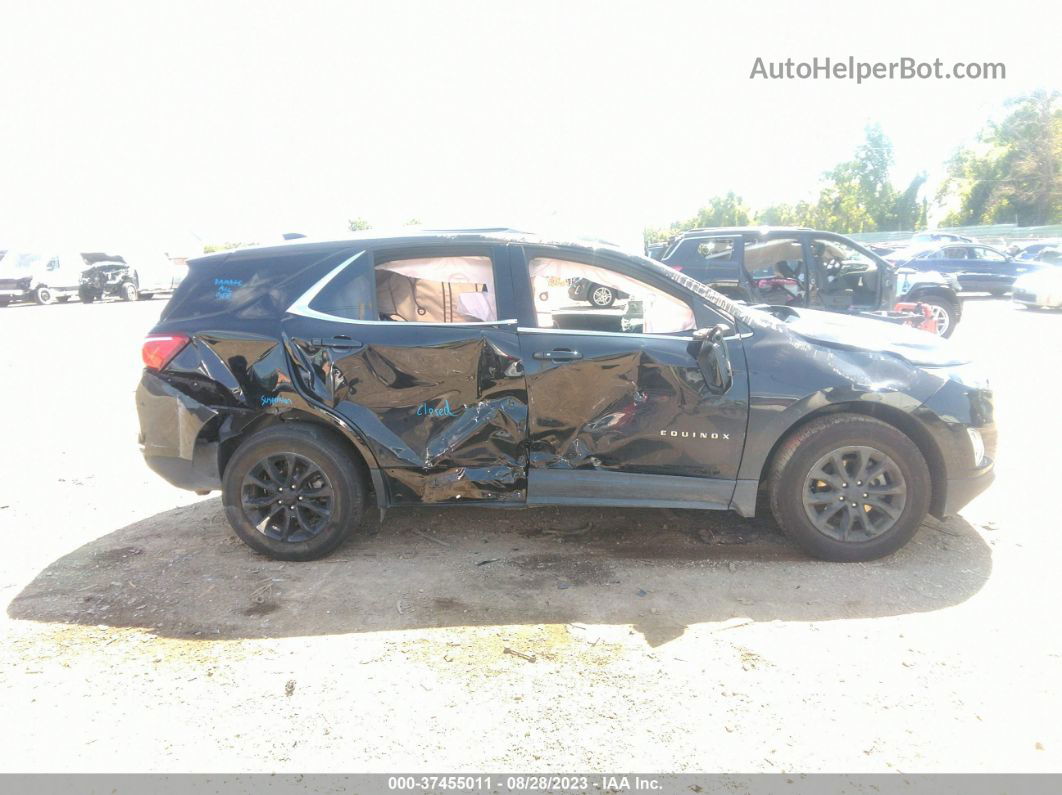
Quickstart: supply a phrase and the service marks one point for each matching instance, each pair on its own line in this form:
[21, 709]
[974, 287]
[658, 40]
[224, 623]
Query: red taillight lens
[160, 348]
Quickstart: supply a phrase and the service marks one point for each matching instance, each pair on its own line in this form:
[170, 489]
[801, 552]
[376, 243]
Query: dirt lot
[139, 635]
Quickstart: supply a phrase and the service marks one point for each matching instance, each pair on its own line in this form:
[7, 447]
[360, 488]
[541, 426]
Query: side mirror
[709, 348]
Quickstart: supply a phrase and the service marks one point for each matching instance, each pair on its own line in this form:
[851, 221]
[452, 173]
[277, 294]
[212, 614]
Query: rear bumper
[177, 435]
[962, 490]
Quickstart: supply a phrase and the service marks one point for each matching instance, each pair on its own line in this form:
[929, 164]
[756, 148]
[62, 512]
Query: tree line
[1011, 175]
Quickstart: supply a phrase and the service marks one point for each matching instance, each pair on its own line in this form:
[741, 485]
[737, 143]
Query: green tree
[728, 210]
[1014, 174]
[358, 224]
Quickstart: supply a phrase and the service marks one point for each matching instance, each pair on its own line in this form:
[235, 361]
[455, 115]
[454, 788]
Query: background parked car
[41, 277]
[1041, 287]
[599, 295]
[143, 279]
[1032, 251]
[806, 267]
[978, 268]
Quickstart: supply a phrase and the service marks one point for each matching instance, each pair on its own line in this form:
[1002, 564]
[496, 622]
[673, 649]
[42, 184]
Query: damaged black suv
[309, 379]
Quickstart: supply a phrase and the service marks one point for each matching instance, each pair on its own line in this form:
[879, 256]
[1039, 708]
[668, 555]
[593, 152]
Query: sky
[172, 125]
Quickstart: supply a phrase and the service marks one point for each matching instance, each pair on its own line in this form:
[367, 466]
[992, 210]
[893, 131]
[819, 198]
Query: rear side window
[250, 284]
[424, 289]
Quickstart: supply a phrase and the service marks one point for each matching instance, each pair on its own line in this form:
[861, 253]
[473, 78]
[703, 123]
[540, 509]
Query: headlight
[978, 446]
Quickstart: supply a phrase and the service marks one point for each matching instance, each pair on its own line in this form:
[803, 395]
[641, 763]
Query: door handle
[338, 341]
[558, 355]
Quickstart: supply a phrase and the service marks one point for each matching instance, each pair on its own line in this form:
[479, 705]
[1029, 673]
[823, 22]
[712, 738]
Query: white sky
[162, 123]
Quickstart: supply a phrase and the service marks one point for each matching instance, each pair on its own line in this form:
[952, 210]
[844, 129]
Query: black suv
[806, 267]
[310, 379]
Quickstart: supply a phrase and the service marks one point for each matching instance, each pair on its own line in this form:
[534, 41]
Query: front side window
[574, 295]
[717, 250]
[988, 255]
[844, 267]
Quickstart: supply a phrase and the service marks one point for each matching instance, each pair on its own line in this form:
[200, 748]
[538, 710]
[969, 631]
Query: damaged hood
[848, 332]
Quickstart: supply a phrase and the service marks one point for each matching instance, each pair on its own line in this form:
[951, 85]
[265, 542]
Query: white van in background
[41, 277]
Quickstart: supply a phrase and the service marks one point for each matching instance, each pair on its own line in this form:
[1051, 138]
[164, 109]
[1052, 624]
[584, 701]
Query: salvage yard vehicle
[40, 277]
[141, 280]
[310, 379]
[977, 267]
[795, 266]
[1041, 288]
[599, 295]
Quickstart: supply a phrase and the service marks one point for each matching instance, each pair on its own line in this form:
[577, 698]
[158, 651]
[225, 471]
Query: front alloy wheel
[854, 493]
[849, 487]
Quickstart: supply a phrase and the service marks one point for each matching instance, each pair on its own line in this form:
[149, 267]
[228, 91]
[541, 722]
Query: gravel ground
[139, 635]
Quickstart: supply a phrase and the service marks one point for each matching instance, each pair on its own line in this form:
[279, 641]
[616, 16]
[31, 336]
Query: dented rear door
[442, 406]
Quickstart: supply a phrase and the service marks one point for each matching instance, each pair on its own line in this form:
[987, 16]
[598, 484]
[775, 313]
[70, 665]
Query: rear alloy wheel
[944, 312]
[128, 291]
[43, 295]
[292, 492]
[847, 487]
[601, 296]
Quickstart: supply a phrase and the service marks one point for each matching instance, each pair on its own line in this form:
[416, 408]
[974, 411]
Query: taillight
[159, 349]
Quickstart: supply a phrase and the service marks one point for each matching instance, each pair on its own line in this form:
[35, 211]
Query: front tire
[292, 492]
[128, 291]
[848, 488]
[86, 294]
[43, 295]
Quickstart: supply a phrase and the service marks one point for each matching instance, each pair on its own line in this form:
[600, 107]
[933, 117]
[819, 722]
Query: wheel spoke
[302, 523]
[274, 474]
[251, 476]
[822, 519]
[838, 465]
[884, 491]
[846, 522]
[821, 498]
[260, 502]
[318, 509]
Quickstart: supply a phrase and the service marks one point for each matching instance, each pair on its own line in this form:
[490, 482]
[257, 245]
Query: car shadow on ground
[183, 574]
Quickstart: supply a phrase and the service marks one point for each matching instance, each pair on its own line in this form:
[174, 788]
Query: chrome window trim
[618, 334]
[301, 306]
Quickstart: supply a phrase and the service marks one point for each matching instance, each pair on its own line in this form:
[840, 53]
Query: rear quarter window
[249, 285]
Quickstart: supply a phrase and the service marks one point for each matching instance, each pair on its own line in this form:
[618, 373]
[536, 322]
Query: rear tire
[602, 297]
[43, 295]
[945, 312]
[304, 523]
[128, 291]
[86, 295]
[5, 300]
[897, 496]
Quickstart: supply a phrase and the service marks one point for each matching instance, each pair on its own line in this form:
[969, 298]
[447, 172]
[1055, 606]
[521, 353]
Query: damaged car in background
[311, 380]
[795, 266]
[140, 280]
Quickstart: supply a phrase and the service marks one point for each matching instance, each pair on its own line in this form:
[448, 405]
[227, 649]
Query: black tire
[947, 308]
[601, 296]
[127, 291]
[343, 477]
[791, 474]
[5, 300]
[86, 294]
[145, 296]
[43, 295]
